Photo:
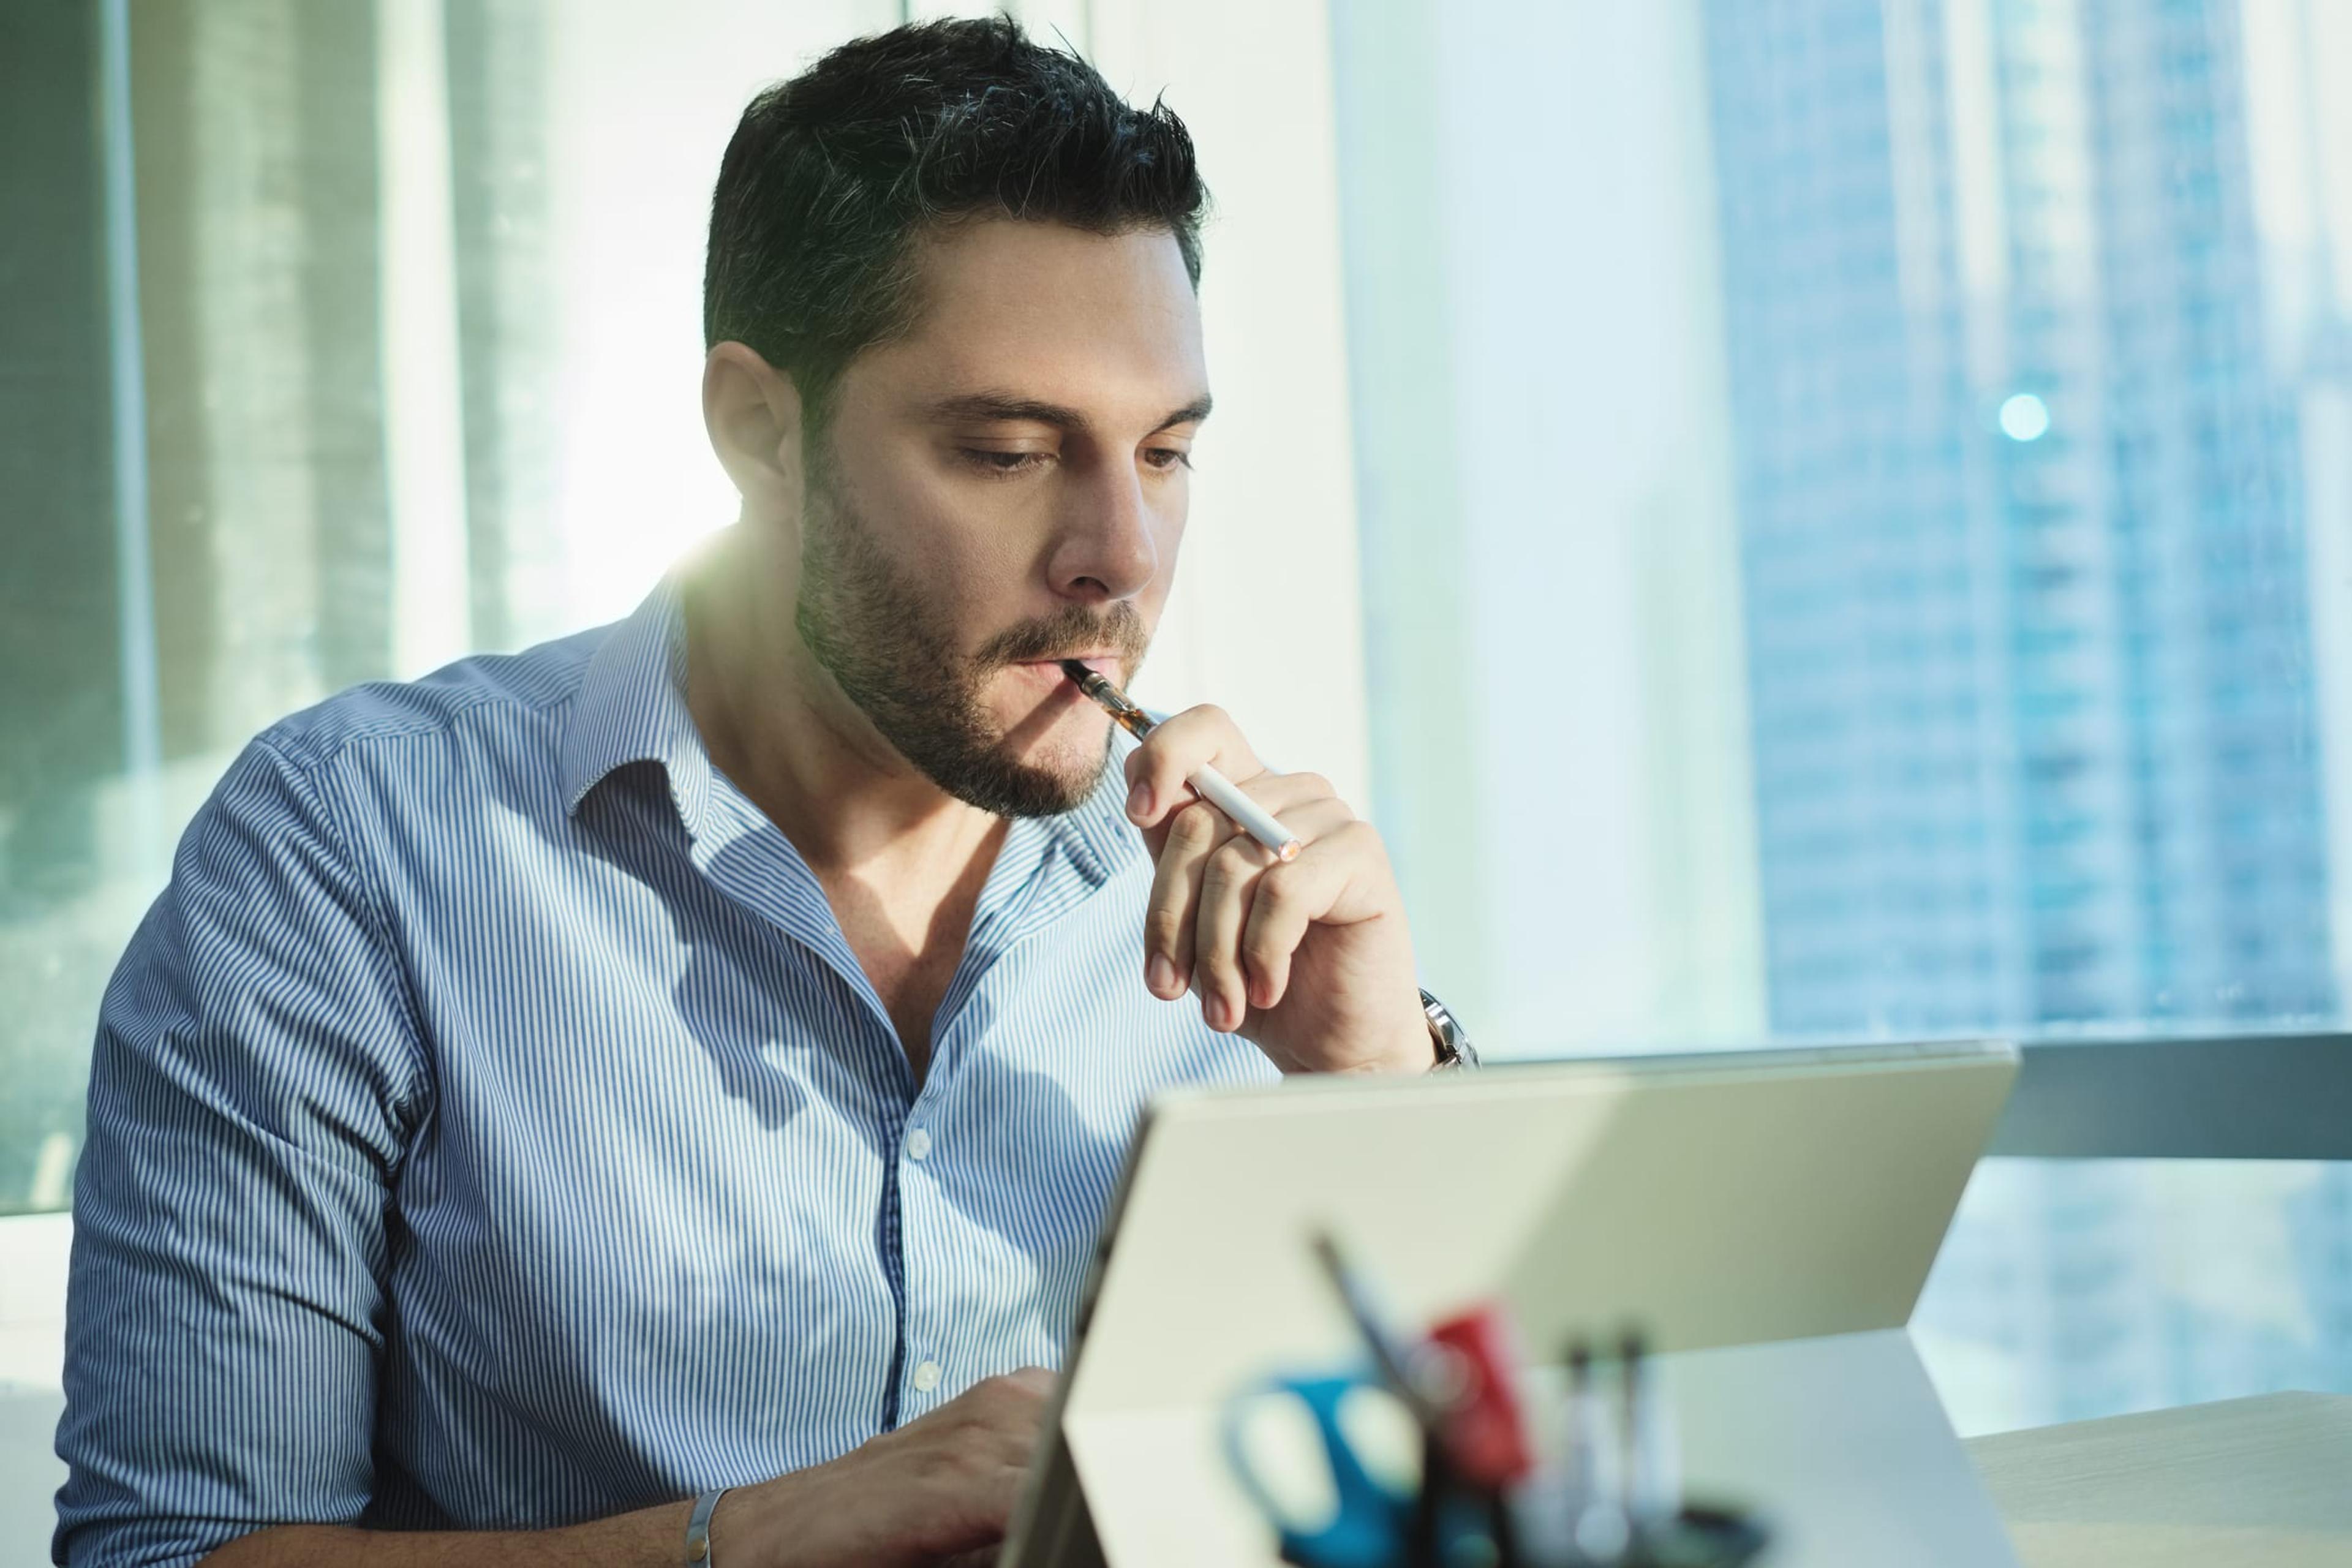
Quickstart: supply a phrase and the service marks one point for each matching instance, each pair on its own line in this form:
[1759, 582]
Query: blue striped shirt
[489, 1127]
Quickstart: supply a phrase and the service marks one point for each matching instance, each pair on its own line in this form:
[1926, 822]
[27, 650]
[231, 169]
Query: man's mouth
[1104, 664]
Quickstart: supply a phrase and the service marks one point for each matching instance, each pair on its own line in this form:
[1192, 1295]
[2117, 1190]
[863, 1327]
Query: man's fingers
[1182, 846]
[1008, 1412]
[1275, 791]
[1191, 837]
[1202, 886]
[1174, 752]
[1232, 879]
[1029, 1383]
[1224, 886]
[1288, 899]
[1015, 1396]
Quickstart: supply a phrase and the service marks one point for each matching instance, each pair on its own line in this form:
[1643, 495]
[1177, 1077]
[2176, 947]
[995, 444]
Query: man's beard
[884, 641]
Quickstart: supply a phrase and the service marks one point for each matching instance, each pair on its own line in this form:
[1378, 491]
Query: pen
[1207, 782]
[1413, 1370]
[1394, 1357]
[1603, 1530]
[1653, 1482]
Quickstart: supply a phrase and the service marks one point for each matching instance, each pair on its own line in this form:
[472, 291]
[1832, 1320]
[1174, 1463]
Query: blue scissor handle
[1368, 1529]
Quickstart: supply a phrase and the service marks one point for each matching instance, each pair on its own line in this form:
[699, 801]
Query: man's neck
[901, 862]
[778, 726]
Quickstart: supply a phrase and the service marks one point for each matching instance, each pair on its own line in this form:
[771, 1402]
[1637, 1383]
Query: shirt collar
[632, 707]
[1100, 839]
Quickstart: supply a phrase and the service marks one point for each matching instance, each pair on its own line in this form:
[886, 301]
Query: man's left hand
[1310, 958]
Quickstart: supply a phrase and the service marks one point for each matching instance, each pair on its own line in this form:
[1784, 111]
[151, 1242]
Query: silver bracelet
[697, 1529]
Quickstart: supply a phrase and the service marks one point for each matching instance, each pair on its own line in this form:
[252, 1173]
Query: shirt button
[918, 1143]
[927, 1376]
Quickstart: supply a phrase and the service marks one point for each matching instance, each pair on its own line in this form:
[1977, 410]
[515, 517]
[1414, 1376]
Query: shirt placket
[747, 858]
[939, 1344]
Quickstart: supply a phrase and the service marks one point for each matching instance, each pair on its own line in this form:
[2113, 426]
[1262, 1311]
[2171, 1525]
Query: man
[695, 1054]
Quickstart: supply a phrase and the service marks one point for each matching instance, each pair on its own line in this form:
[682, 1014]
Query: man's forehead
[1042, 313]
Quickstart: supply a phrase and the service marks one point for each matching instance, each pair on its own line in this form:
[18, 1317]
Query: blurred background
[1802, 519]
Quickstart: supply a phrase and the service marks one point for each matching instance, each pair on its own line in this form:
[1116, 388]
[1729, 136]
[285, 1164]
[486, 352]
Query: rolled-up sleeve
[256, 1077]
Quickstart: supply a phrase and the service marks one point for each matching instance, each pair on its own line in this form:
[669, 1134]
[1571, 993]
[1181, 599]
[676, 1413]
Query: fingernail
[1212, 1011]
[1159, 974]
[1139, 799]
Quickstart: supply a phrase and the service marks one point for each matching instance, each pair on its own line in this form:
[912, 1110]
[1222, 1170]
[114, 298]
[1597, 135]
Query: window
[1857, 513]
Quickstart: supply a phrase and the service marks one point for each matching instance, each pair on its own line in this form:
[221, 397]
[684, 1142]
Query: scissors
[1473, 1447]
[1374, 1525]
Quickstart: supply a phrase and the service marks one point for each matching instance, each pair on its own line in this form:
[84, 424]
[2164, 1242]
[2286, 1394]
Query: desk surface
[2247, 1483]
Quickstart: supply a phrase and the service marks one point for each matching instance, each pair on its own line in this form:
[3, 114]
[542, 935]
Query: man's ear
[753, 413]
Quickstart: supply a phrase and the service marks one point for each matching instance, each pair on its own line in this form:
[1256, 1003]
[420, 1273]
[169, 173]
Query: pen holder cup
[1698, 1537]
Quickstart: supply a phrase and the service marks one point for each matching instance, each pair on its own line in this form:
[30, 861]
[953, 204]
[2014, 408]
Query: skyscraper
[1885, 768]
[2020, 514]
[2029, 643]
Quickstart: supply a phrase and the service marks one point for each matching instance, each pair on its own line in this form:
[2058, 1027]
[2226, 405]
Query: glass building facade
[2020, 521]
[2021, 500]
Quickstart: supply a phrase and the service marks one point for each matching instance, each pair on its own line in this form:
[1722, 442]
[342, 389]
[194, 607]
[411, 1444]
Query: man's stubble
[884, 640]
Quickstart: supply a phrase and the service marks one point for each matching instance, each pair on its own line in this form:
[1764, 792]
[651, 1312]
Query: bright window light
[2024, 417]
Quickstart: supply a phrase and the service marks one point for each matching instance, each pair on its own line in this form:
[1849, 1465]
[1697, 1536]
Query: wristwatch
[1447, 1035]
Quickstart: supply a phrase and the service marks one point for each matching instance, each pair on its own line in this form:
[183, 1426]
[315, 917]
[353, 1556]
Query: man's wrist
[831, 1515]
[749, 1523]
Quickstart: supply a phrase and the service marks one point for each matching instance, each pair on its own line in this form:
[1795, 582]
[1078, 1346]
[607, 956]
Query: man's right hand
[938, 1487]
[936, 1493]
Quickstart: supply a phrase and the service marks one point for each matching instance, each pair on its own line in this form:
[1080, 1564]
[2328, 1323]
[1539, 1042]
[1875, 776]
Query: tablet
[1768, 1218]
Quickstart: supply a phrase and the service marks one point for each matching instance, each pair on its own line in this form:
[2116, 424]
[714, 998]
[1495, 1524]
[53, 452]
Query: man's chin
[1015, 789]
[1048, 780]
[1067, 780]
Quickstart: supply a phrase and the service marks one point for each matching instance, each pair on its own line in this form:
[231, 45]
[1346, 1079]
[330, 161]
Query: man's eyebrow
[1001, 405]
[1192, 413]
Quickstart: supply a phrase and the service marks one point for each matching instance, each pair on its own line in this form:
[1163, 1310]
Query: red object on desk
[1486, 1431]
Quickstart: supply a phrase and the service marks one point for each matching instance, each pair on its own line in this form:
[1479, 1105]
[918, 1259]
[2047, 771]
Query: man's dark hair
[833, 176]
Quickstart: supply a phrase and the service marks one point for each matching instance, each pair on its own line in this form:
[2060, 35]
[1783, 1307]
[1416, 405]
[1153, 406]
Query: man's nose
[1107, 549]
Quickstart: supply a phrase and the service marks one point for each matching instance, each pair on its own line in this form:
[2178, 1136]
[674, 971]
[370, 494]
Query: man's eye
[1004, 462]
[1168, 458]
